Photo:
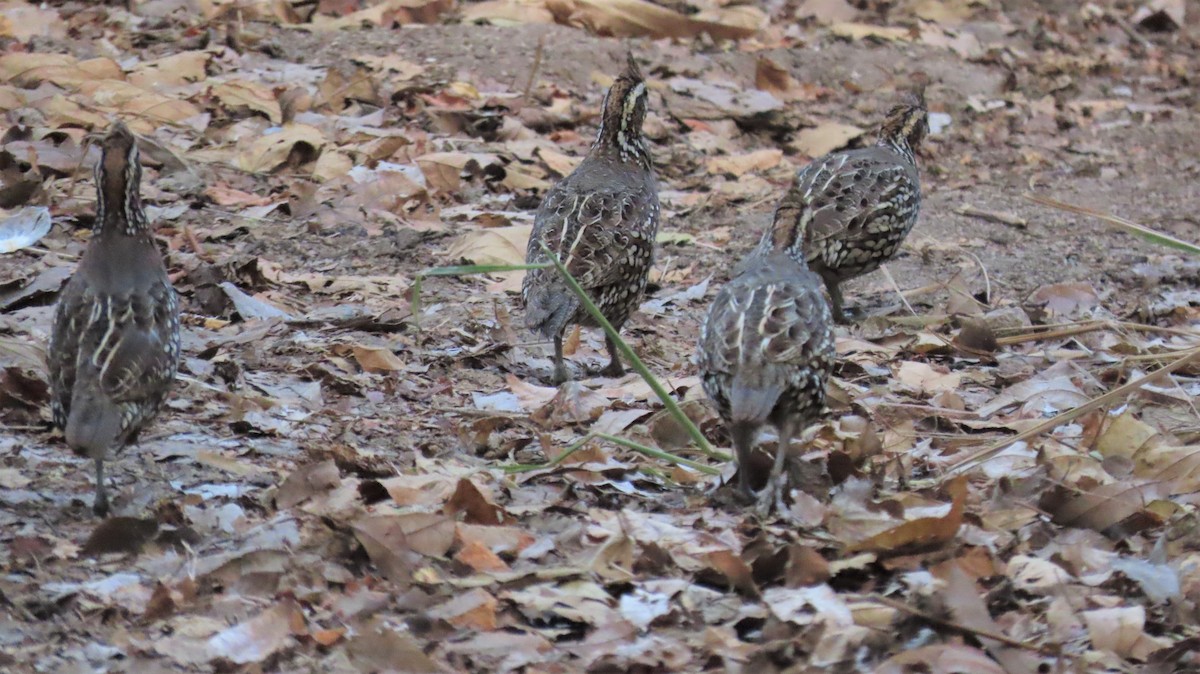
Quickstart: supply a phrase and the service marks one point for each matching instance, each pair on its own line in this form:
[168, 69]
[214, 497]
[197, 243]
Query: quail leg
[560, 367]
[743, 444]
[100, 504]
[772, 491]
[613, 369]
[836, 305]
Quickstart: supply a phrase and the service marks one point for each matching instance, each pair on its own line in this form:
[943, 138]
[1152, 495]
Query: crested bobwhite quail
[855, 207]
[601, 221]
[115, 345]
[765, 353]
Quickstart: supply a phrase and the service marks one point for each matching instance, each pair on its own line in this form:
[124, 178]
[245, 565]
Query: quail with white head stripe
[854, 208]
[601, 221]
[765, 353]
[114, 349]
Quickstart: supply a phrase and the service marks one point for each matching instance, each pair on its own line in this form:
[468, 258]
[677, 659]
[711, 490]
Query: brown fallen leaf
[738, 165]
[961, 596]
[940, 659]
[305, 482]
[824, 138]
[735, 570]
[473, 610]
[476, 507]
[376, 359]
[477, 556]
[923, 533]
[862, 31]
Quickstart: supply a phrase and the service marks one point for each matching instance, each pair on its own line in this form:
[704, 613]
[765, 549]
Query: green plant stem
[635, 362]
[659, 454]
[459, 270]
[1141, 231]
[530, 467]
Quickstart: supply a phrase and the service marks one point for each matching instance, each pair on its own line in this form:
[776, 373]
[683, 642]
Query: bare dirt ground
[341, 485]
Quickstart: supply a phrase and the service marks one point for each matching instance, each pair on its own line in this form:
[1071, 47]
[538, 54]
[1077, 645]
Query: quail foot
[114, 349]
[601, 221]
[854, 208]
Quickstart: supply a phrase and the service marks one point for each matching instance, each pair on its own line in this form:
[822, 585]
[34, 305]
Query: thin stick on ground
[967, 629]
[1105, 400]
[533, 70]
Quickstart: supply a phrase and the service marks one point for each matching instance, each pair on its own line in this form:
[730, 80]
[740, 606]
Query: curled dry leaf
[444, 171]
[259, 637]
[26, 69]
[238, 94]
[292, 144]
[863, 31]
[141, 104]
[508, 12]
[1122, 631]
[23, 228]
[824, 138]
[172, 70]
[637, 18]
[495, 245]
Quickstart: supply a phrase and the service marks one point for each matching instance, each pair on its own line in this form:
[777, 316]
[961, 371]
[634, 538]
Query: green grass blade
[1128, 226]
[633, 360]
[659, 454]
[459, 270]
[529, 467]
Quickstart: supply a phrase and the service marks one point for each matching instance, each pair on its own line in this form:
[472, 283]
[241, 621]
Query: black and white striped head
[118, 182]
[623, 114]
[906, 124]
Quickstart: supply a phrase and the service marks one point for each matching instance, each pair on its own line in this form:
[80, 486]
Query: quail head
[765, 353]
[854, 208]
[601, 221]
[114, 349]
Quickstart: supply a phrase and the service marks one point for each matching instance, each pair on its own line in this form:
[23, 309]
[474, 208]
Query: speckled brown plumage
[601, 221]
[855, 207]
[765, 353]
[115, 343]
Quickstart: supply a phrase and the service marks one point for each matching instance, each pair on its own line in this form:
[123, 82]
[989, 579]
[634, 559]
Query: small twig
[986, 634]
[471, 412]
[1051, 334]
[987, 280]
[1190, 401]
[992, 216]
[888, 275]
[929, 409]
[195, 244]
[1112, 396]
[47, 251]
[533, 71]
[1129, 29]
